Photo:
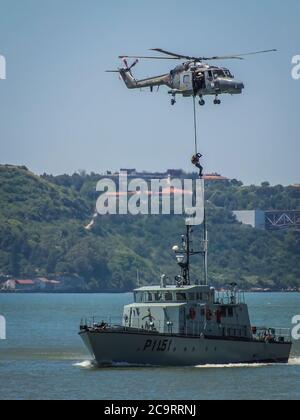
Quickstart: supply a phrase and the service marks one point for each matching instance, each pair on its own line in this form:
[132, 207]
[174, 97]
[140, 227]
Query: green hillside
[42, 233]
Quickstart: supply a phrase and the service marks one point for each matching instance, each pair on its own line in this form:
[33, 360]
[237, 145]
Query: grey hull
[162, 350]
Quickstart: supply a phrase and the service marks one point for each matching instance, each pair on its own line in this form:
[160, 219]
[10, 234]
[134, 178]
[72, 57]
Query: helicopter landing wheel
[173, 102]
[217, 101]
[202, 102]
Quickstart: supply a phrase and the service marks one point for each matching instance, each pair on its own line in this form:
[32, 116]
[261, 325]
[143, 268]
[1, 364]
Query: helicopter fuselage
[201, 80]
[190, 79]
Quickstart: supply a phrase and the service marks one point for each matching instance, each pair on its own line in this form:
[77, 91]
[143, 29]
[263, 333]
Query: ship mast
[205, 248]
[186, 252]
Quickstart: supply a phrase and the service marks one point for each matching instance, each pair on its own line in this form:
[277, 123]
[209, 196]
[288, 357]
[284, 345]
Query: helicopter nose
[236, 87]
[232, 86]
[239, 86]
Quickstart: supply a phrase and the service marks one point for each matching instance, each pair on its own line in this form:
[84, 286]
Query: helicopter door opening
[209, 81]
[187, 83]
[199, 83]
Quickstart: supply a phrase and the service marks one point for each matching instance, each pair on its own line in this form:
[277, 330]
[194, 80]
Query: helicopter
[194, 77]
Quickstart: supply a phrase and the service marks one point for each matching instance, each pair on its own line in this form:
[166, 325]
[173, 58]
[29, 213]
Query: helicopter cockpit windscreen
[228, 74]
[222, 73]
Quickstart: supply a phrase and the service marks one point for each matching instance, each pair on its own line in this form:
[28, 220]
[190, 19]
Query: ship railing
[274, 335]
[98, 321]
[230, 297]
[194, 328]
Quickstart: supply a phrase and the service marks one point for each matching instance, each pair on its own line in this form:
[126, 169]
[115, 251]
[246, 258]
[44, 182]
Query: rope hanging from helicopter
[196, 158]
[195, 126]
[196, 161]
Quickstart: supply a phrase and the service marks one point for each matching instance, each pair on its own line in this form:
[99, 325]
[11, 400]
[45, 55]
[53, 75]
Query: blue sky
[60, 112]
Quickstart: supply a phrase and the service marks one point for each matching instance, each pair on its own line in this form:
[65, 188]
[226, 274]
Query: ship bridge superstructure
[195, 310]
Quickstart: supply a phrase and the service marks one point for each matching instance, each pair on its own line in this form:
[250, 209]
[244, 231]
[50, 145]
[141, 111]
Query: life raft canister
[193, 314]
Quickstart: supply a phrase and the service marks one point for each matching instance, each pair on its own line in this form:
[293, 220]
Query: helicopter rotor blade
[237, 56]
[174, 55]
[146, 58]
[225, 57]
[221, 58]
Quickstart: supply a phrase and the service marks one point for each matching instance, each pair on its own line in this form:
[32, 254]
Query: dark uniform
[196, 161]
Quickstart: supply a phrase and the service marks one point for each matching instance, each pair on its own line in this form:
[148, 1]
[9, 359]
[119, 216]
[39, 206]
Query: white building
[254, 218]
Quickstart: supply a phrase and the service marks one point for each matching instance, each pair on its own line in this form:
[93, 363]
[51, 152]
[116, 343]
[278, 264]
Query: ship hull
[109, 347]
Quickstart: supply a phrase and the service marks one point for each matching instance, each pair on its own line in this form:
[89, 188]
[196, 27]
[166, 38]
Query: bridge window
[180, 297]
[199, 296]
[138, 297]
[158, 296]
[211, 297]
[191, 296]
[223, 312]
[230, 312]
[149, 297]
[168, 297]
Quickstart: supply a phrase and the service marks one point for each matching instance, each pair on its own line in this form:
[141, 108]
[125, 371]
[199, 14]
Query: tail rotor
[125, 73]
[129, 68]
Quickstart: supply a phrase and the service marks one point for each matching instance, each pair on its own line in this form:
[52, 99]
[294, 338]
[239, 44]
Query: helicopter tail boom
[151, 82]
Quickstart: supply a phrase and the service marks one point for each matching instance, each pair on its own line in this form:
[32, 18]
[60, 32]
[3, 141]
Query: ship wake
[232, 365]
[86, 364]
[92, 364]
[294, 361]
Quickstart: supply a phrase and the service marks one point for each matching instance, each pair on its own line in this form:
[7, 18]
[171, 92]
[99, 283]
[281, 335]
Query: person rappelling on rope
[196, 161]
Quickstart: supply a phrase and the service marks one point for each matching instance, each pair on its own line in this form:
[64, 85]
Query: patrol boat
[183, 324]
